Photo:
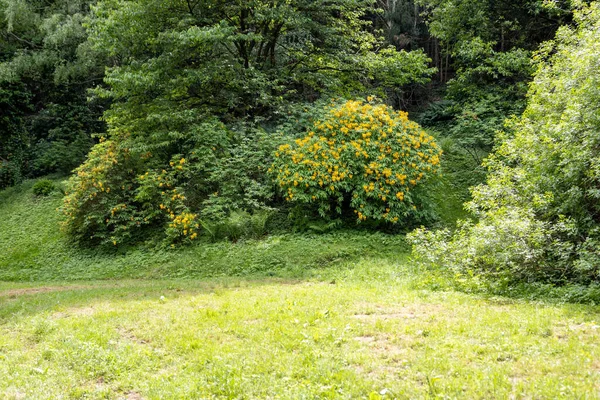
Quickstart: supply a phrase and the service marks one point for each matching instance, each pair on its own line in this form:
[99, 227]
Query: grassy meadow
[337, 315]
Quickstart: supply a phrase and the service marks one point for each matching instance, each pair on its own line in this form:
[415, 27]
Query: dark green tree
[46, 68]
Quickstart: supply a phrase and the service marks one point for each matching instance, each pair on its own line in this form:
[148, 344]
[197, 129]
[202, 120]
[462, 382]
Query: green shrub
[11, 173]
[100, 206]
[238, 225]
[43, 187]
[126, 192]
[239, 177]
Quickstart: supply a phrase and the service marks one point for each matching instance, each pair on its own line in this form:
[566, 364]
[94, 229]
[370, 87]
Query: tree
[243, 59]
[486, 65]
[537, 215]
[46, 68]
[191, 80]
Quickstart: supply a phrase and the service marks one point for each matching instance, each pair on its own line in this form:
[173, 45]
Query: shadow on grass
[543, 294]
[26, 301]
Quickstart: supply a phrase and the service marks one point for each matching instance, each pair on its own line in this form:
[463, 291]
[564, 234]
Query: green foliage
[98, 202]
[122, 194]
[537, 213]
[43, 187]
[33, 249]
[489, 87]
[45, 70]
[362, 155]
[239, 175]
[238, 225]
[469, 123]
[111, 199]
[487, 48]
[403, 23]
[65, 137]
[14, 103]
[242, 59]
[507, 24]
[193, 90]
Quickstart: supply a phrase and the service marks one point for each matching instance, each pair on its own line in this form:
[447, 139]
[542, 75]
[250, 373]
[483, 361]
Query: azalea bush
[99, 202]
[363, 155]
[122, 191]
[126, 193]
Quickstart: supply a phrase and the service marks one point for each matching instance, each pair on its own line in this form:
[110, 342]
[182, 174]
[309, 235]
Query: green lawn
[366, 333]
[324, 316]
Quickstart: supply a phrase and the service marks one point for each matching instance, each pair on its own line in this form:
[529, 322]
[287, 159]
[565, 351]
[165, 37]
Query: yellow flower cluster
[366, 149]
[178, 166]
[90, 181]
[186, 224]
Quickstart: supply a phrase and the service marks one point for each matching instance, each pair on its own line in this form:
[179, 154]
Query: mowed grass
[366, 335]
[325, 316]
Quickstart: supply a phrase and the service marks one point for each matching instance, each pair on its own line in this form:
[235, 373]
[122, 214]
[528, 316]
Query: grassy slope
[340, 319]
[33, 249]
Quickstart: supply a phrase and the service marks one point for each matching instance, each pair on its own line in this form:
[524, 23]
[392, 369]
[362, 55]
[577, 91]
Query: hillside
[32, 248]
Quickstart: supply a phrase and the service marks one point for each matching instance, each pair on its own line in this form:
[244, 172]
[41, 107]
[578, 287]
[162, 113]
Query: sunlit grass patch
[360, 336]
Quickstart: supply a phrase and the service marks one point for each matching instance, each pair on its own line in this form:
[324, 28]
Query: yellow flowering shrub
[109, 201]
[361, 153]
[126, 192]
[183, 225]
[98, 204]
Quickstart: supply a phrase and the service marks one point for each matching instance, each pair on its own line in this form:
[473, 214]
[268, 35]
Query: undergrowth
[32, 248]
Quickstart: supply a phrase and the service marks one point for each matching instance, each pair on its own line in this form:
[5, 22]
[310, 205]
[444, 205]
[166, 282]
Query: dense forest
[183, 120]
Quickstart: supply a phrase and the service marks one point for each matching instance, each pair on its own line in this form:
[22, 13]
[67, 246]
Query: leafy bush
[43, 187]
[122, 191]
[239, 177]
[508, 246]
[99, 205]
[10, 172]
[128, 192]
[362, 155]
[538, 214]
[238, 225]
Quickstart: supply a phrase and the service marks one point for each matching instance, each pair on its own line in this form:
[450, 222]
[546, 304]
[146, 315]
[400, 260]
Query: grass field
[324, 316]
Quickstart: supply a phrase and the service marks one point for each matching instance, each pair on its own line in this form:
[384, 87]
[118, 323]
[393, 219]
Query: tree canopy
[46, 68]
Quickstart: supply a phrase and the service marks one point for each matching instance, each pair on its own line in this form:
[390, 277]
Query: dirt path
[13, 293]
